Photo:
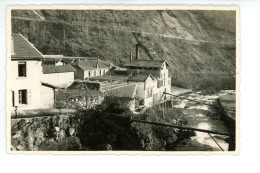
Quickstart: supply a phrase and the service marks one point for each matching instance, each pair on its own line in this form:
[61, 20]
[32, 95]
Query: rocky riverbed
[202, 113]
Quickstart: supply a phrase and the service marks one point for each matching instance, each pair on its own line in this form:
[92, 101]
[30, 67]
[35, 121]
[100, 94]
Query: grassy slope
[193, 42]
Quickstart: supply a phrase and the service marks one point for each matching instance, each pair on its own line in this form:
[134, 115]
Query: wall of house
[166, 87]
[142, 90]
[47, 97]
[95, 73]
[79, 74]
[163, 74]
[62, 80]
[149, 87]
[31, 83]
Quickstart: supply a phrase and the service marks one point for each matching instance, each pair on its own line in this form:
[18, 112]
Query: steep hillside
[193, 42]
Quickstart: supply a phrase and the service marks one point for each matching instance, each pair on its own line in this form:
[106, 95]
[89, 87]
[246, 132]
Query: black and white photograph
[135, 80]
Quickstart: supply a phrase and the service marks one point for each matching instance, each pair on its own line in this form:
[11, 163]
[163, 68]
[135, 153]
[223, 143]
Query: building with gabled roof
[27, 90]
[91, 68]
[157, 69]
[145, 84]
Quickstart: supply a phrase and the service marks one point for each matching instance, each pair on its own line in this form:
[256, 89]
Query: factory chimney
[137, 51]
[97, 62]
[131, 57]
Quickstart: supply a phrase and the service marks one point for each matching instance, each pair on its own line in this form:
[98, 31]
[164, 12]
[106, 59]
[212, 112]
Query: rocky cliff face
[191, 41]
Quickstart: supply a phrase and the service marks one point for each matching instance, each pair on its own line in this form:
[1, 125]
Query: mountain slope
[193, 42]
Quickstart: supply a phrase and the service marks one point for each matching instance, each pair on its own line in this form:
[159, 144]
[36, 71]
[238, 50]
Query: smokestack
[137, 51]
[131, 57]
[97, 62]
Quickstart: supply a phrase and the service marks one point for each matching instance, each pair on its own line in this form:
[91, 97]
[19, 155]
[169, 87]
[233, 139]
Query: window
[163, 83]
[22, 96]
[89, 74]
[164, 74]
[104, 71]
[22, 69]
[100, 73]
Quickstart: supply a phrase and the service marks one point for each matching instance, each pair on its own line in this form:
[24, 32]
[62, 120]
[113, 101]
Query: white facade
[62, 80]
[145, 90]
[95, 72]
[165, 86]
[26, 88]
[152, 90]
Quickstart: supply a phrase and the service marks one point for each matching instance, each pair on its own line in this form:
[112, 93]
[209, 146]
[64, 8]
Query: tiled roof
[122, 90]
[92, 64]
[47, 69]
[146, 63]
[22, 48]
[139, 77]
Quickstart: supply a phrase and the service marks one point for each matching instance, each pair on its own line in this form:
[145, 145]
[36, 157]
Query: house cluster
[35, 77]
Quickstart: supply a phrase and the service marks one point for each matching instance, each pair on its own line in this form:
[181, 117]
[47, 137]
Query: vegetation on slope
[191, 41]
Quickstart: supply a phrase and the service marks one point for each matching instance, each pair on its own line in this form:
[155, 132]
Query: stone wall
[89, 130]
[57, 133]
[78, 98]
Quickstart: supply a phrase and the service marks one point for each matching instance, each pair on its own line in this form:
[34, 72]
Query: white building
[91, 68]
[61, 76]
[27, 89]
[145, 85]
[158, 71]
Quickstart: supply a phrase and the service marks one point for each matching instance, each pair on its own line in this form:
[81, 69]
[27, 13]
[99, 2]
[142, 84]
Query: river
[201, 115]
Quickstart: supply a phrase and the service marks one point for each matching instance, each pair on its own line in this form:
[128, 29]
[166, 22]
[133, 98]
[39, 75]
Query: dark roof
[139, 77]
[47, 69]
[146, 63]
[108, 77]
[49, 85]
[92, 64]
[125, 90]
[23, 49]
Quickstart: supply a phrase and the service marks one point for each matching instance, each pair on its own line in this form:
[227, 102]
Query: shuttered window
[22, 96]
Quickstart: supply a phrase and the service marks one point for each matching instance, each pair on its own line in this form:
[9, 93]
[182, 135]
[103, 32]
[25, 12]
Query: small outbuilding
[58, 76]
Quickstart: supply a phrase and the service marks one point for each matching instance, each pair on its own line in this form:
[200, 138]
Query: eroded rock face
[89, 130]
[45, 133]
